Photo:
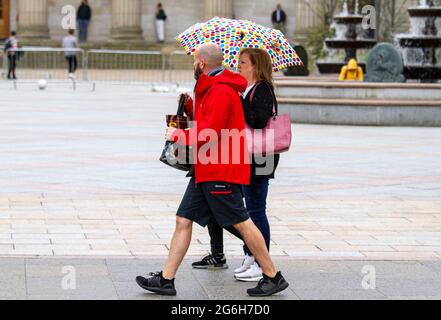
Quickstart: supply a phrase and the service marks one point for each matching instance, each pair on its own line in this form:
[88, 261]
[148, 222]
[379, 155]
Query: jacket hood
[352, 65]
[234, 80]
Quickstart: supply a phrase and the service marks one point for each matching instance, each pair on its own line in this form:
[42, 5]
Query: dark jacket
[282, 17]
[161, 15]
[84, 12]
[257, 113]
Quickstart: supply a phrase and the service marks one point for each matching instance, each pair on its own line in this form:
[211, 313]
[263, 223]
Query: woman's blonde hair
[261, 61]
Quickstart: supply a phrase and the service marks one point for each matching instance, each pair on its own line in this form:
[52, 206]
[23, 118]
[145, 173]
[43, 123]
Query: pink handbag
[275, 138]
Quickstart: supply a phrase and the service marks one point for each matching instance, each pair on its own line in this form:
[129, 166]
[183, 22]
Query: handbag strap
[275, 105]
[181, 106]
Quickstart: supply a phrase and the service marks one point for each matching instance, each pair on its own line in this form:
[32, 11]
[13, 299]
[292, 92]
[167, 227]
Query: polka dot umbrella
[233, 35]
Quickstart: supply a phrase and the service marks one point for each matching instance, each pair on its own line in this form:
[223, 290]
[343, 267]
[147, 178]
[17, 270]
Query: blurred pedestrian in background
[10, 44]
[278, 19]
[161, 17]
[84, 15]
[70, 42]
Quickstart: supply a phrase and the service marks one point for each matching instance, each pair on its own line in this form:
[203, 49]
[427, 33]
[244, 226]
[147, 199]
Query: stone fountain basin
[425, 12]
[352, 19]
[357, 44]
[335, 67]
[420, 42]
[422, 72]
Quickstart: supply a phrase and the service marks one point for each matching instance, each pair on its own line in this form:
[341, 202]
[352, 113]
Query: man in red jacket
[221, 168]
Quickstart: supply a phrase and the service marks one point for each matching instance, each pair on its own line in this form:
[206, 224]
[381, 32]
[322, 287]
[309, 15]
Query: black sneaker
[268, 287]
[157, 284]
[212, 261]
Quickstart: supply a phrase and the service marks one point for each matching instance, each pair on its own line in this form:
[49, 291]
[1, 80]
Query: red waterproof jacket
[218, 107]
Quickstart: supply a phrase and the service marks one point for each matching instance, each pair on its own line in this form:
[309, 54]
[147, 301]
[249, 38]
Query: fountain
[420, 46]
[348, 37]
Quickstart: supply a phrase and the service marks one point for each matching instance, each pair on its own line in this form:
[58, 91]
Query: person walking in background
[70, 42]
[161, 17]
[10, 44]
[278, 19]
[84, 15]
[258, 103]
[215, 190]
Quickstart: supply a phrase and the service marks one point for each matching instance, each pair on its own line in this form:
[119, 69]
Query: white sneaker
[254, 273]
[246, 264]
[71, 76]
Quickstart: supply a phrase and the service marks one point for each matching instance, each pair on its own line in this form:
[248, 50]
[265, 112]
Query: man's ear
[203, 64]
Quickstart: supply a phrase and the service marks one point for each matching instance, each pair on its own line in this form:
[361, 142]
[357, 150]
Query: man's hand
[169, 133]
[187, 97]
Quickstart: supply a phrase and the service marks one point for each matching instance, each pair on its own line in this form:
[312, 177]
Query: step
[359, 102]
[358, 90]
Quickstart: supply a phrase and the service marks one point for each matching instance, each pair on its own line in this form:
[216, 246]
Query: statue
[384, 64]
[351, 72]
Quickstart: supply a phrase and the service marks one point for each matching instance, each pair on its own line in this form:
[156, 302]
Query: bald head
[211, 54]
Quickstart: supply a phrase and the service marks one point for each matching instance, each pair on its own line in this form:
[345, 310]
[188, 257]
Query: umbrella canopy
[233, 35]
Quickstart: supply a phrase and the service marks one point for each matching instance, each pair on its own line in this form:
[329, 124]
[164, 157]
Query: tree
[325, 11]
[392, 18]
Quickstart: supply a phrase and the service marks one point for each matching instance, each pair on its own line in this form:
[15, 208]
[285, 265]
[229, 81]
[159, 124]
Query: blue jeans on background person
[83, 25]
[255, 198]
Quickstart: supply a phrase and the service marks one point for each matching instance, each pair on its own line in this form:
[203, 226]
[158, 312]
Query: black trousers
[12, 59]
[72, 63]
[217, 236]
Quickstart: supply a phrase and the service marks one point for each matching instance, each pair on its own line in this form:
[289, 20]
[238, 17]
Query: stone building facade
[134, 19]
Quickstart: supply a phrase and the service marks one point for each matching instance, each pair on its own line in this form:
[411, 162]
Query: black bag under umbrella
[175, 155]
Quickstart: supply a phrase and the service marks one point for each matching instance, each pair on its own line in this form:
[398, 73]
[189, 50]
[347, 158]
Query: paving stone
[12, 287]
[115, 279]
[85, 286]
[409, 287]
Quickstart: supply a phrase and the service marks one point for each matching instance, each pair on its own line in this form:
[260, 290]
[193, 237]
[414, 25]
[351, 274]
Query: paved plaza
[80, 178]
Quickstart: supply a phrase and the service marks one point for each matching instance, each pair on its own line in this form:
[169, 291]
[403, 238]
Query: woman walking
[259, 104]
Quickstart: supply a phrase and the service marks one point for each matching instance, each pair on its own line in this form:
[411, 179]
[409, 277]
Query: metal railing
[44, 63]
[180, 68]
[103, 65]
[124, 66]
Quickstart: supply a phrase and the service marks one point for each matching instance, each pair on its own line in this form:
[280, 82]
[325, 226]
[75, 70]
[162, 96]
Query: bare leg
[178, 247]
[256, 243]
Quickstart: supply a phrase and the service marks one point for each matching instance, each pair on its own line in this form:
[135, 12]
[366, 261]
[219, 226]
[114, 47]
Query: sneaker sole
[212, 267]
[250, 279]
[280, 289]
[162, 292]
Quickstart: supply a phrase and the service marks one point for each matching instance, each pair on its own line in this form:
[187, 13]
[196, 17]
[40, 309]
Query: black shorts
[220, 201]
